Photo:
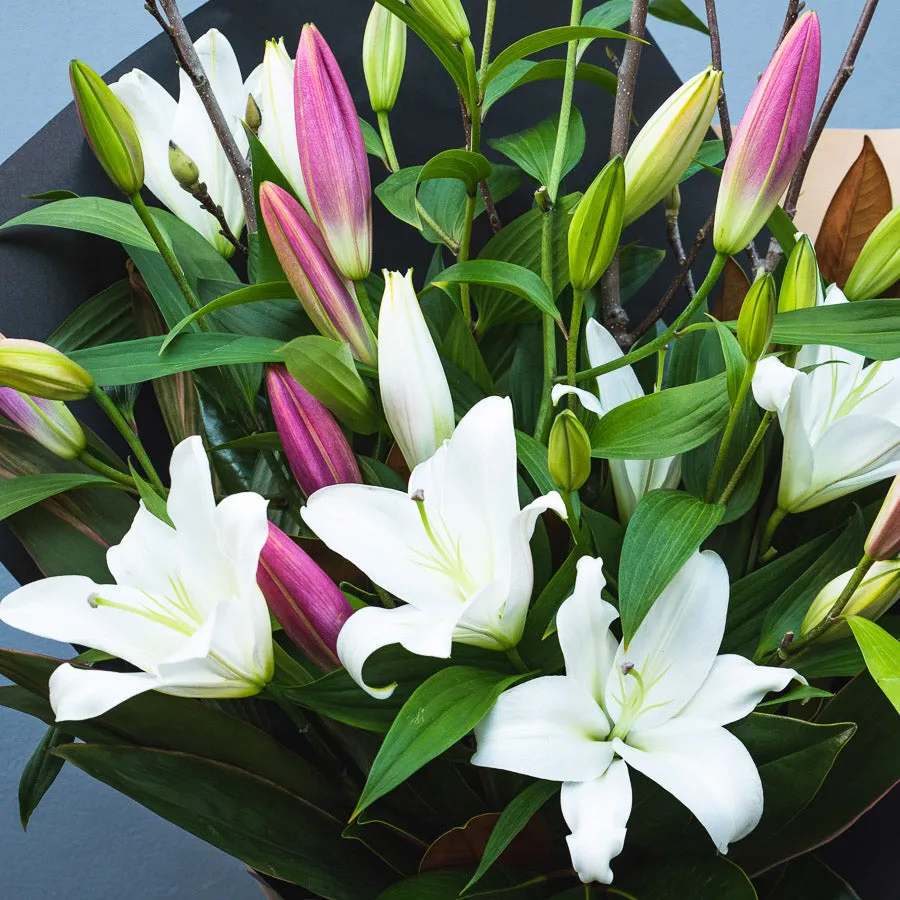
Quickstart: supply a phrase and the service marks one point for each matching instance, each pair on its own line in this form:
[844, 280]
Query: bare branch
[673, 233]
[715, 46]
[201, 195]
[794, 9]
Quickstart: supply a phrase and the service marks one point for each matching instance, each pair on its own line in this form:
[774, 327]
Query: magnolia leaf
[881, 652]
[40, 772]
[861, 201]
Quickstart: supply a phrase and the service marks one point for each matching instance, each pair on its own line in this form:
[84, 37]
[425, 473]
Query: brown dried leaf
[735, 285]
[861, 201]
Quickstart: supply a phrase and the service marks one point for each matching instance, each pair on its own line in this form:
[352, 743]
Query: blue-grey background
[85, 840]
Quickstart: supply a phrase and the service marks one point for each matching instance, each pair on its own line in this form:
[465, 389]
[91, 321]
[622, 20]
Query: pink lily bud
[327, 297]
[49, 422]
[883, 541]
[770, 138]
[317, 451]
[308, 605]
[333, 155]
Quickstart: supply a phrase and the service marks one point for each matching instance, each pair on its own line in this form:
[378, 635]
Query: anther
[92, 601]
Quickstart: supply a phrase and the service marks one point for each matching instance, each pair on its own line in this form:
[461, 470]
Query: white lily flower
[185, 608]
[657, 705]
[840, 419]
[631, 478]
[273, 91]
[454, 548]
[159, 119]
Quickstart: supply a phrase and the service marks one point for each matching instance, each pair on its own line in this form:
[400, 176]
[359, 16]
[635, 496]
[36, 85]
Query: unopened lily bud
[306, 602]
[317, 451]
[596, 226]
[108, 127]
[252, 115]
[757, 318]
[384, 57]
[569, 454]
[41, 371]
[883, 541]
[878, 266]
[879, 590]
[770, 138]
[801, 286]
[665, 146]
[672, 203]
[48, 422]
[448, 16]
[183, 168]
[414, 389]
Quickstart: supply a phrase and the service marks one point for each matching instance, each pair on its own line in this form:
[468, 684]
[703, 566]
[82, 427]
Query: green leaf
[666, 529]
[463, 165]
[398, 193]
[273, 290]
[372, 140]
[53, 195]
[447, 884]
[440, 712]
[808, 876]
[104, 319]
[881, 652]
[326, 369]
[611, 14]
[154, 503]
[264, 440]
[783, 228]
[533, 456]
[512, 820]
[707, 877]
[800, 692]
[40, 772]
[543, 40]
[710, 153]
[678, 13]
[19, 493]
[533, 647]
[504, 276]
[534, 148]
[663, 424]
[637, 265]
[526, 72]
[264, 825]
[131, 362]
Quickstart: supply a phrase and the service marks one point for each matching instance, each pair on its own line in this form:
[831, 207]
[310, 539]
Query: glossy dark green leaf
[463, 165]
[40, 772]
[666, 529]
[372, 140]
[678, 13]
[783, 229]
[534, 648]
[19, 493]
[710, 153]
[440, 712]
[533, 456]
[637, 265]
[447, 884]
[104, 319]
[881, 652]
[841, 658]
[663, 424]
[707, 877]
[808, 876]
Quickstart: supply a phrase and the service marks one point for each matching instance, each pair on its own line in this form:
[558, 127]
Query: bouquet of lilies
[461, 585]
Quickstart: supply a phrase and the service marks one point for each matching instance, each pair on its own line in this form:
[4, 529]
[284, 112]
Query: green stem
[651, 347]
[545, 413]
[463, 256]
[137, 448]
[747, 458]
[486, 45]
[565, 110]
[430, 221]
[515, 658]
[365, 305]
[766, 551]
[97, 465]
[165, 252]
[474, 113]
[572, 343]
[733, 415]
[384, 127]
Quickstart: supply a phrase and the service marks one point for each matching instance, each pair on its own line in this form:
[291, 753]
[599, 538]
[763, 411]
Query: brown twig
[614, 317]
[715, 46]
[173, 26]
[679, 279]
[794, 9]
[496, 224]
[673, 233]
[201, 195]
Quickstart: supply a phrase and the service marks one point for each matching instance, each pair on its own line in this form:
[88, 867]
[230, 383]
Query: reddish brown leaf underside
[735, 285]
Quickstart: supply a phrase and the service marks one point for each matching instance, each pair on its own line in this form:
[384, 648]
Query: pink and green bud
[878, 266]
[108, 127]
[770, 138]
[41, 371]
[315, 446]
[327, 296]
[333, 156]
[306, 602]
[883, 541]
[666, 145]
[49, 422]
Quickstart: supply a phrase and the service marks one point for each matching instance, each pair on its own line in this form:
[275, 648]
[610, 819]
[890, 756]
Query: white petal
[797, 455]
[772, 383]
[369, 629]
[597, 812]
[243, 530]
[549, 728]
[620, 385]
[582, 623]
[145, 556]
[676, 643]
[734, 687]
[78, 694]
[588, 400]
[708, 769]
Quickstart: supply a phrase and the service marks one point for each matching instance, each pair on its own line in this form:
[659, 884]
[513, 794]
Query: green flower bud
[252, 114]
[183, 168]
[108, 128]
[448, 16]
[597, 226]
[878, 266]
[801, 285]
[384, 57]
[569, 456]
[42, 371]
[757, 318]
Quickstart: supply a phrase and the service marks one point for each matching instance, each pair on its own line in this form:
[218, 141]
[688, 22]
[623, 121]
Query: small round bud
[569, 454]
[802, 284]
[252, 114]
[183, 168]
[757, 318]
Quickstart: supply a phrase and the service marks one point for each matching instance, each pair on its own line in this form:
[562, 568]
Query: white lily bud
[384, 57]
[414, 389]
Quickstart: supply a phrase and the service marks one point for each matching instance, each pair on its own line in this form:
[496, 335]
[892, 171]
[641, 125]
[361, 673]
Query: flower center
[175, 611]
[632, 702]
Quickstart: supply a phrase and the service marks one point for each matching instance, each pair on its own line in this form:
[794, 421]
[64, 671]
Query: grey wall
[86, 840]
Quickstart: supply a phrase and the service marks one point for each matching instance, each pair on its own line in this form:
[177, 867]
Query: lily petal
[549, 728]
[243, 530]
[78, 694]
[772, 383]
[708, 769]
[588, 400]
[597, 812]
[620, 385]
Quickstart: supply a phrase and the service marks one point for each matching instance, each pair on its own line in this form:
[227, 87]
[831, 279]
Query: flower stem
[572, 343]
[165, 251]
[106, 404]
[434, 225]
[747, 458]
[97, 465]
[384, 127]
[733, 415]
[766, 551]
[515, 658]
[472, 113]
[651, 347]
[486, 43]
[463, 256]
